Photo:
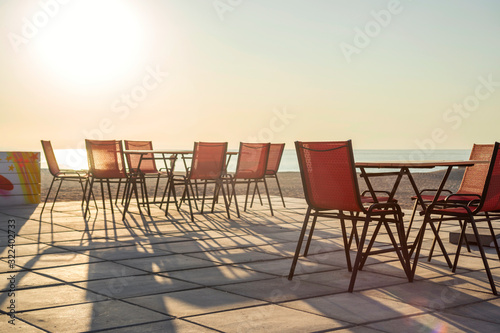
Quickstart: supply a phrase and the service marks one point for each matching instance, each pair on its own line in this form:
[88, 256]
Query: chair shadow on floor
[149, 266]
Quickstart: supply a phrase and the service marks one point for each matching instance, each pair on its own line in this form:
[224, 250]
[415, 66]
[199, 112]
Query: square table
[157, 154]
[404, 169]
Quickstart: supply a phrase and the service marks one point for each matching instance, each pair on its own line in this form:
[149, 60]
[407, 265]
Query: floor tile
[25, 279]
[355, 308]
[168, 263]
[88, 272]
[53, 260]
[234, 256]
[436, 322]
[48, 297]
[173, 325]
[279, 289]
[133, 286]
[91, 316]
[267, 318]
[193, 302]
[218, 275]
[486, 310]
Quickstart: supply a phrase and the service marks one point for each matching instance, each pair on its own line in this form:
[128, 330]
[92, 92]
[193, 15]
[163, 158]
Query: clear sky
[386, 74]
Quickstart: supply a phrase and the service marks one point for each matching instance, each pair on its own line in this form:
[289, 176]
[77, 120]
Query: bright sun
[93, 42]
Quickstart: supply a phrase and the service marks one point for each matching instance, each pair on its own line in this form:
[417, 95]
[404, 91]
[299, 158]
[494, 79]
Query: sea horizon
[76, 158]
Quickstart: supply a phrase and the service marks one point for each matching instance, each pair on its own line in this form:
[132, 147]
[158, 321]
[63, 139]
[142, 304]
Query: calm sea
[76, 159]
[289, 159]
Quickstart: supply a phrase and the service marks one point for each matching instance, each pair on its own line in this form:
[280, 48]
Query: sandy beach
[291, 185]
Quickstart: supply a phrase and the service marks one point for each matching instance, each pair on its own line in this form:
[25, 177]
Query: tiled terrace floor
[157, 274]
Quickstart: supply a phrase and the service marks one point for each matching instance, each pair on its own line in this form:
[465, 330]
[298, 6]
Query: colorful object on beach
[5, 184]
[19, 178]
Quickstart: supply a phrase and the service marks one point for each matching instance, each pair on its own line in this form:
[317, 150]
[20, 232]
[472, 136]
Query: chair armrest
[227, 176]
[434, 190]
[474, 202]
[368, 191]
[386, 205]
[443, 205]
[450, 197]
[179, 177]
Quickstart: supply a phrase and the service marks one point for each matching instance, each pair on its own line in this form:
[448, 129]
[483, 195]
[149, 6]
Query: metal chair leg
[359, 256]
[268, 197]
[309, 238]
[299, 244]
[483, 256]
[279, 189]
[48, 193]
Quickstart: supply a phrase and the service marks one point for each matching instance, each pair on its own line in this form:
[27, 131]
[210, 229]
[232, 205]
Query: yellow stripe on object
[29, 173]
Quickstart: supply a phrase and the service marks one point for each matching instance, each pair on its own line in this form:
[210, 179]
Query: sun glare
[93, 42]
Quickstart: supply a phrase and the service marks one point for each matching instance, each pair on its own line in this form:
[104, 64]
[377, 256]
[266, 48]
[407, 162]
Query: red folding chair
[471, 187]
[273, 164]
[207, 166]
[331, 190]
[148, 165]
[106, 165]
[483, 208]
[250, 169]
[60, 176]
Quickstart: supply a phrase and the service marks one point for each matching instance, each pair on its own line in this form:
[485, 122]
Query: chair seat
[453, 211]
[456, 198]
[382, 196]
[72, 174]
[156, 173]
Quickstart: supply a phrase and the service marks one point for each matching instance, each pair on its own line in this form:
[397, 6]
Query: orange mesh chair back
[50, 157]
[274, 160]
[252, 160]
[475, 176]
[209, 160]
[329, 175]
[148, 164]
[490, 198]
[106, 159]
